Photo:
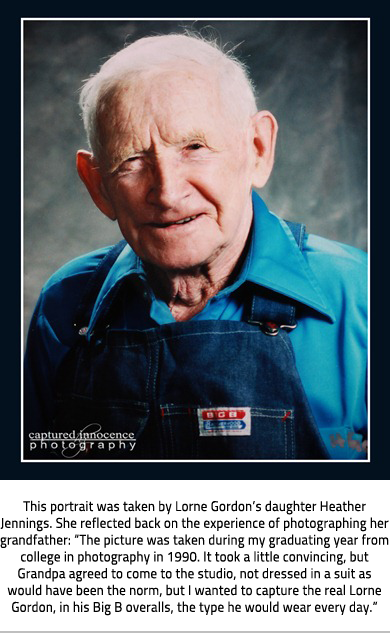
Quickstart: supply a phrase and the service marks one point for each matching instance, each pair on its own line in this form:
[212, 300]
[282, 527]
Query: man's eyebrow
[177, 140]
[134, 150]
[193, 135]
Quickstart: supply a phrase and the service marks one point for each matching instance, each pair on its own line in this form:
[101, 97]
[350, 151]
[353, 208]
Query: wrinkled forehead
[169, 98]
[184, 73]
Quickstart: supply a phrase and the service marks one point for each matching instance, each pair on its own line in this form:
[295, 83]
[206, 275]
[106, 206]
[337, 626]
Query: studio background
[312, 75]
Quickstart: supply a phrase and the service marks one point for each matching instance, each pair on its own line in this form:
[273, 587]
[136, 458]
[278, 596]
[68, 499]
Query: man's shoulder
[75, 271]
[340, 269]
[61, 295]
[330, 258]
[332, 251]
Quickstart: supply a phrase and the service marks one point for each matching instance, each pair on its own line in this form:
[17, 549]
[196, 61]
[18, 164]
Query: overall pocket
[217, 433]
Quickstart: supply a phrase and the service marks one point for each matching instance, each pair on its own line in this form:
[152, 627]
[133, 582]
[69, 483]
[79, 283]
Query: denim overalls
[186, 390]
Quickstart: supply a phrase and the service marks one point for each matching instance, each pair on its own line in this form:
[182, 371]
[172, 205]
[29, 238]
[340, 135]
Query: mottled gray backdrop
[311, 74]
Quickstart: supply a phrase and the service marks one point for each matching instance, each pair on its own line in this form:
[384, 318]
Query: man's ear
[265, 128]
[90, 174]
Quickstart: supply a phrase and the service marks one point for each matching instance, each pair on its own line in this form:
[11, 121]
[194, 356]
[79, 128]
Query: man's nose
[168, 183]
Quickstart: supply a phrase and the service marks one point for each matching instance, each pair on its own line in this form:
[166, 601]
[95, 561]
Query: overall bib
[188, 390]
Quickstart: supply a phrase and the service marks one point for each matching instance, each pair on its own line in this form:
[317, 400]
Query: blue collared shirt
[327, 278]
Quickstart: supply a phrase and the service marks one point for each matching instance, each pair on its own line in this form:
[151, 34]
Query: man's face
[177, 171]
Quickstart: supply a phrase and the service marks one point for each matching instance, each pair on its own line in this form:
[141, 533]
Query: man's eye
[134, 160]
[132, 164]
[194, 146]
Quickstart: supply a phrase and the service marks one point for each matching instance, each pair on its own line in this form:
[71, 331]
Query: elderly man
[215, 330]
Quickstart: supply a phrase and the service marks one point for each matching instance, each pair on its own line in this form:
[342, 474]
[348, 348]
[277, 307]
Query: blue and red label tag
[224, 421]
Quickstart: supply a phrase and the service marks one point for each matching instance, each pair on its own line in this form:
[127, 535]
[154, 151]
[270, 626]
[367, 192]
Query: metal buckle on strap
[272, 329]
[81, 331]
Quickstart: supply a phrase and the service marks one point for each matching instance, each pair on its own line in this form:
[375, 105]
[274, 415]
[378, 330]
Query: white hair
[157, 51]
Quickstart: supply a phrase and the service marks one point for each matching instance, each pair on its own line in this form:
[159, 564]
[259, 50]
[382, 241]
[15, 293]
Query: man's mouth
[186, 220]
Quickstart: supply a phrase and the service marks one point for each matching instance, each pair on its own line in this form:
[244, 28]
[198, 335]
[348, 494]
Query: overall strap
[272, 310]
[92, 289]
[298, 231]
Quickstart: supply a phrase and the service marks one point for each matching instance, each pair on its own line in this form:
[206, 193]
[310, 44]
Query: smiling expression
[177, 169]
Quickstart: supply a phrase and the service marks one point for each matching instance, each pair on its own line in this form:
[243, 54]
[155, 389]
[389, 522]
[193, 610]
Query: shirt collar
[274, 261]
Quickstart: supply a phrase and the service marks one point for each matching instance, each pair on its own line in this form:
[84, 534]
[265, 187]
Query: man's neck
[187, 292]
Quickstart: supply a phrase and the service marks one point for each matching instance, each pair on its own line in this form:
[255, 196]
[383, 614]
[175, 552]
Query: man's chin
[176, 263]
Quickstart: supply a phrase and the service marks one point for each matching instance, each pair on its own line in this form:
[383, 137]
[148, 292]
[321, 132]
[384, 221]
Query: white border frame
[150, 19]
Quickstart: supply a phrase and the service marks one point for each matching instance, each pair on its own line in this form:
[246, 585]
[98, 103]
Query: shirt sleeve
[339, 370]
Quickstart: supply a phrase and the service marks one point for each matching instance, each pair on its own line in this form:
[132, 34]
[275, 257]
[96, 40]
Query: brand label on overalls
[224, 421]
